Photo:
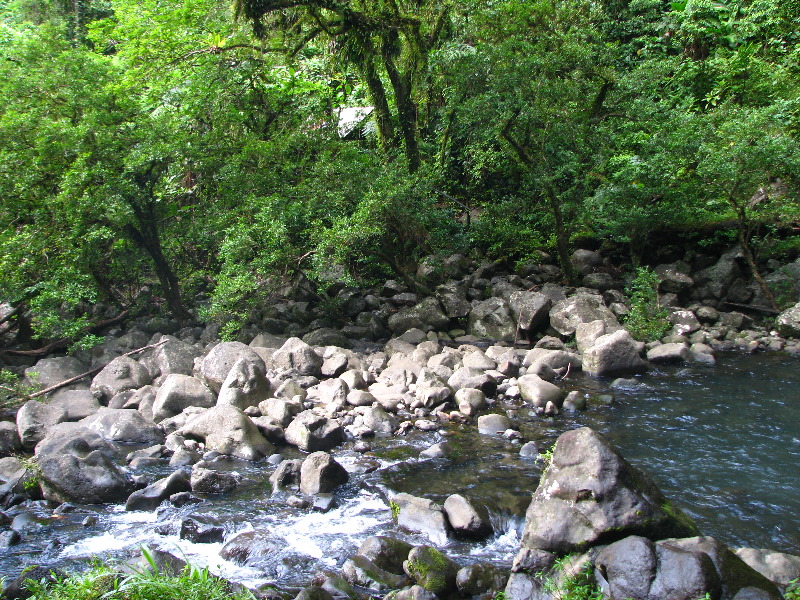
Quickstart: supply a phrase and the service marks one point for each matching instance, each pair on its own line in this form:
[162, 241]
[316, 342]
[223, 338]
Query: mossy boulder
[432, 570]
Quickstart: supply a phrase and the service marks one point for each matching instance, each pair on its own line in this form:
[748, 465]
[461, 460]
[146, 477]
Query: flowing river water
[723, 443]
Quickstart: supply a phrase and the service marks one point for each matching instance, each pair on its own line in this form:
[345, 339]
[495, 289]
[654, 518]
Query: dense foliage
[182, 150]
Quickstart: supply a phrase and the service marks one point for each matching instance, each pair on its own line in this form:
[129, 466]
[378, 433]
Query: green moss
[395, 507]
[430, 568]
[680, 517]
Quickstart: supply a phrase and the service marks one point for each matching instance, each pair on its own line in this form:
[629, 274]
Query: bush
[647, 320]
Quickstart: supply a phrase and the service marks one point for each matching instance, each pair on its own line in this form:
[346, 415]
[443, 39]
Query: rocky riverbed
[190, 419]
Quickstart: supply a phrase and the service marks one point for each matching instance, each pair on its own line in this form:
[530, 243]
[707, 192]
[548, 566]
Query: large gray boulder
[228, 430]
[246, 384]
[492, 319]
[716, 280]
[788, 322]
[312, 432]
[432, 570]
[179, 392]
[281, 410]
[453, 297]
[581, 308]
[33, 419]
[679, 569]
[78, 404]
[539, 392]
[421, 516]
[173, 357]
[124, 426]
[530, 309]
[320, 473]
[386, 552]
[466, 518]
[9, 439]
[589, 494]
[121, 374]
[780, 568]
[50, 371]
[296, 355]
[153, 495]
[614, 354]
[426, 315]
[76, 465]
[217, 364]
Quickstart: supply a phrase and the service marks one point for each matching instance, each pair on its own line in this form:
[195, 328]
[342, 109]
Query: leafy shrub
[647, 320]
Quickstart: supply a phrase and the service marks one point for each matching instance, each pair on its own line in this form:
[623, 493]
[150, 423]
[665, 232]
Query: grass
[580, 585]
[102, 582]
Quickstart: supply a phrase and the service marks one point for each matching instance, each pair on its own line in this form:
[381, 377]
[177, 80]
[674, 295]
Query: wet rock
[539, 392]
[465, 518]
[320, 473]
[669, 353]
[313, 592]
[613, 354]
[246, 384]
[581, 308]
[480, 578]
[228, 431]
[33, 419]
[470, 401]
[361, 571]
[378, 420]
[311, 432]
[153, 495]
[415, 592]
[76, 466]
[493, 424]
[287, 473]
[422, 516]
[9, 538]
[432, 570]
[18, 588]
[388, 553]
[780, 568]
[122, 373]
[179, 392]
[196, 532]
[590, 494]
[249, 547]
[209, 481]
[124, 425]
[529, 450]
[492, 319]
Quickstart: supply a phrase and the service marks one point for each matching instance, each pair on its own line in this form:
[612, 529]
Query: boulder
[173, 357]
[530, 309]
[154, 494]
[386, 552]
[124, 426]
[327, 336]
[33, 419]
[672, 280]
[453, 297]
[589, 494]
[246, 384]
[10, 442]
[50, 371]
[122, 373]
[426, 315]
[585, 261]
[378, 420]
[77, 403]
[77, 466]
[296, 355]
[421, 516]
[286, 473]
[780, 568]
[361, 571]
[669, 353]
[555, 359]
[714, 281]
[228, 431]
[684, 322]
[320, 473]
[249, 547]
[614, 354]
[493, 424]
[465, 518]
[432, 570]
[209, 481]
[480, 579]
[586, 334]
[216, 365]
[492, 319]
[198, 532]
[581, 308]
[179, 392]
[788, 322]
[539, 392]
[470, 401]
[280, 410]
[312, 432]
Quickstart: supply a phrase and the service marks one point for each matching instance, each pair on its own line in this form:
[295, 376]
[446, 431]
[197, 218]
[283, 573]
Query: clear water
[723, 443]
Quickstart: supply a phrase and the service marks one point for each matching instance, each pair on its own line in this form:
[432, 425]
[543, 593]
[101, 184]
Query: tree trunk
[406, 108]
[377, 93]
[744, 244]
